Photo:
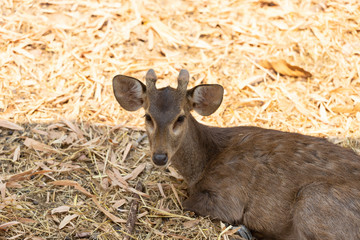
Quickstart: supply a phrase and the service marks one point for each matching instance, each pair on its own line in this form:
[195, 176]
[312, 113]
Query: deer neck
[200, 144]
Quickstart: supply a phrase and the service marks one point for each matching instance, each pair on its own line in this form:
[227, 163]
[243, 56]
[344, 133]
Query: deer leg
[205, 203]
[202, 203]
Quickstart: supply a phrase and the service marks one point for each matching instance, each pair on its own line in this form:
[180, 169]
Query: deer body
[280, 185]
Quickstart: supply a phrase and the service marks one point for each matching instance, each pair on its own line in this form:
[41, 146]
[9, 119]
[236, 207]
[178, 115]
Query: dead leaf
[284, 68]
[175, 193]
[346, 109]
[112, 157]
[8, 224]
[31, 143]
[55, 126]
[61, 139]
[83, 235]
[107, 213]
[73, 184]
[21, 176]
[60, 209]
[73, 127]
[92, 142]
[55, 218]
[71, 138]
[135, 172]
[26, 220]
[43, 172]
[55, 134]
[175, 174]
[161, 190]
[10, 125]
[191, 223]
[40, 132]
[119, 177]
[16, 154]
[67, 220]
[115, 181]
[126, 151]
[105, 183]
[118, 203]
[13, 185]
[138, 192]
[265, 64]
[3, 190]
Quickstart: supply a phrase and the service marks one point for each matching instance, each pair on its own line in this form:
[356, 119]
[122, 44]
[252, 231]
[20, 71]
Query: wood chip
[10, 125]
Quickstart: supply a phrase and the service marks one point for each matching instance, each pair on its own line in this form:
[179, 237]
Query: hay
[57, 60]
[82, 187]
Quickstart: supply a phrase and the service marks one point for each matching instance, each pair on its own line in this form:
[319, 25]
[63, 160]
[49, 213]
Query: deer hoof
[244, 233]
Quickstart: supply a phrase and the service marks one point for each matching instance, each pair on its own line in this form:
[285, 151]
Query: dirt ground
[70, 157]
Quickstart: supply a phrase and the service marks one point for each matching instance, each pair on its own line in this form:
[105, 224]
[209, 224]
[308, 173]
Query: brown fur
[280, 185]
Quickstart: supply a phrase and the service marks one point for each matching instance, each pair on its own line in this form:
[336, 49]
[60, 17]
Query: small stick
[132, 217]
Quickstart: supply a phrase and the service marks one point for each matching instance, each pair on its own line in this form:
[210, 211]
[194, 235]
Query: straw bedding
[71, 157]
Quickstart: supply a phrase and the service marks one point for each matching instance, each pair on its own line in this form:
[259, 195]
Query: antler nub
[150, 79]
[183, 80]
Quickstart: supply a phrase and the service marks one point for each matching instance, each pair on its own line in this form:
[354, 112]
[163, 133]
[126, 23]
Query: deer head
[167, 110]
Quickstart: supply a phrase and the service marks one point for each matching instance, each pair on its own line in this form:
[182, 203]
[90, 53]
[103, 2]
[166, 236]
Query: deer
[279, 185]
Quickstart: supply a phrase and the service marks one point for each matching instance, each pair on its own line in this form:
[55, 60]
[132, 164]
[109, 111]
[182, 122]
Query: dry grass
[57, 60]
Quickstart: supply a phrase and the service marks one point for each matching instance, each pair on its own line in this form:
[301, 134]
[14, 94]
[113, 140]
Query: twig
[130, 224]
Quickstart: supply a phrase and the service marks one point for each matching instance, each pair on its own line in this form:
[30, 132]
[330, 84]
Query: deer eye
[148, 118]
[180, 119]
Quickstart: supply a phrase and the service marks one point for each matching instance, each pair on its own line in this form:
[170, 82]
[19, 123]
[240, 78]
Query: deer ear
[206, 98]
[129, 92]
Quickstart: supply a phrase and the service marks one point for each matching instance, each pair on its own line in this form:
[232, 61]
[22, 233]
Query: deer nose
[160, 159]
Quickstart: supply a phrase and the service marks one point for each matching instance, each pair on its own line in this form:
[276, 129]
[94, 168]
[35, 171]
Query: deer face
[167, 110]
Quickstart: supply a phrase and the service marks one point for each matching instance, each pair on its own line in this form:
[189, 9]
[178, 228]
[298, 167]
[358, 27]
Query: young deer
[280, 185]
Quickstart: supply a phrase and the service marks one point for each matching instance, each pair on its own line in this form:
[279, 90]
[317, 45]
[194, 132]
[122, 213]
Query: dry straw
[69, 166]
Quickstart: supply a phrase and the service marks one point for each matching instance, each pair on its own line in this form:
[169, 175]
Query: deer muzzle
[160, 159]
